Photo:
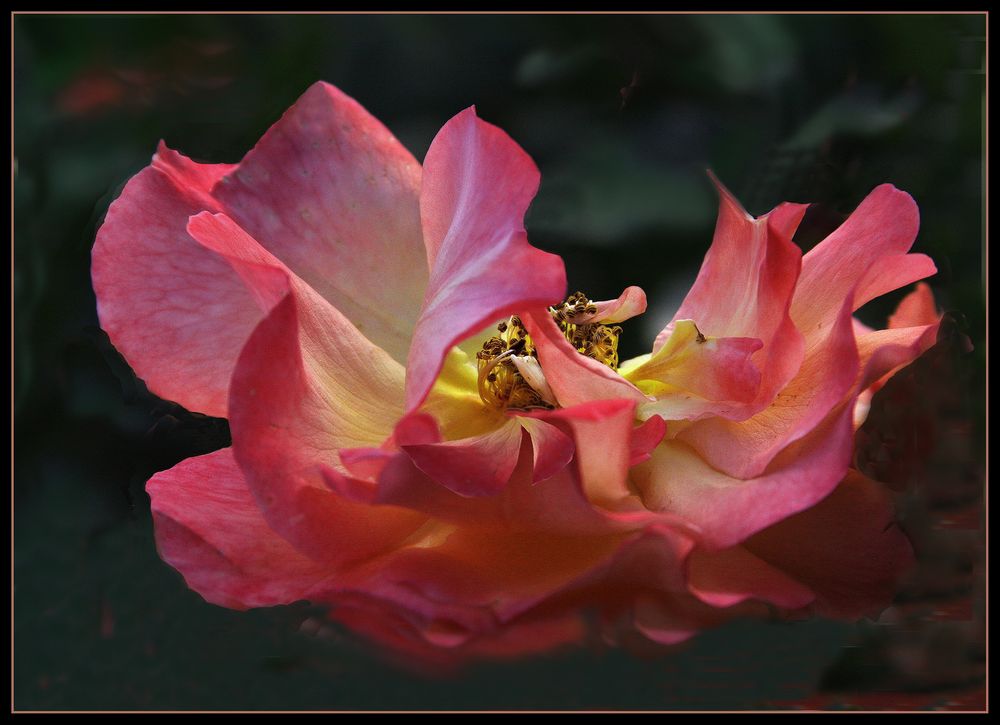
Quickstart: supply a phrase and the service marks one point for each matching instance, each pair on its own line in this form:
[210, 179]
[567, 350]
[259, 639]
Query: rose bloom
[433, 442]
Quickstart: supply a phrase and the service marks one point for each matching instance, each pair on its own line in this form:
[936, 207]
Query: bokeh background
[622, 114]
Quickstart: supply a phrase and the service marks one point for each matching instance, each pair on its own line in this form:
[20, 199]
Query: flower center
[509, 374]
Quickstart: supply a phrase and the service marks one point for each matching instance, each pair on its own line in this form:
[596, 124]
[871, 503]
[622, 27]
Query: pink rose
[429, 441]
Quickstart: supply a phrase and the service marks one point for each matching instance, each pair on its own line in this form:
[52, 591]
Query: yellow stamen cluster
[501, 384]
[592, 340]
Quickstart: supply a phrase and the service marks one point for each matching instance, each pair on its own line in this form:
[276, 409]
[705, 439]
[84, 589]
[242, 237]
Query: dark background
[622, 114]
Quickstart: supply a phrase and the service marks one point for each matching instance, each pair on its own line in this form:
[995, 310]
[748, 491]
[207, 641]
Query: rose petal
[602, 433]
[693, 376]
[552, 450]
[572, 377]
[176, 311]
[727, 510]
[630, 303]
[209, 528]
[477, 185]
[745, 448]
[867, 253]
[916, 309]
[728, 577]
[645, 438]
[745, 286]
[846, 548]
[479, 465]
[306, 385]
[884, 352]
[330, 192]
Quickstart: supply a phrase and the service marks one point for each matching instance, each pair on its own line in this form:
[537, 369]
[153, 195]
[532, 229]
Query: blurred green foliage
[622, 114]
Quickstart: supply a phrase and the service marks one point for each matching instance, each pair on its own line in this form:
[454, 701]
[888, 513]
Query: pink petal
[645, 438]
[630, 303]
[744, 449]
[916, 309]
[728, 577]
[552, 450]
[745, 286]
[660, 624]
[727, 510]
[209, 528]
[477, 466]
[176, 311]
[306, 385]
[477, 185]
[885, 351]
[692, 376]
[913, 329]
[867, 254]
[331, 192]
[328, 190]
[846, 548]
[573, 378]
[602, 432]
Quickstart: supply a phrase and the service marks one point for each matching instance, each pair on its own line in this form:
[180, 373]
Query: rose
[452, 491]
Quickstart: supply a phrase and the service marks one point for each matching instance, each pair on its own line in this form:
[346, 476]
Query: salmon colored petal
[846, 548]
[630, 303]
[427, 646]
[660, 624]
[477, 184]
[602, 433]
[307, 384]
[728, 577]
[477, 466]
[506, 572]
[727, 510]
[552, 450]
[745, 448]
[154, 284]
[913, 329]
[331, 192]
[867, 254]
[883, 352]
[572, 377]
[645, 438]
[745, 287]
[693, 376]
[916, 309]
[209, 528]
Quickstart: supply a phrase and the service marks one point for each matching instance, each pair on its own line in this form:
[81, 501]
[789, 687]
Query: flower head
[434, 441]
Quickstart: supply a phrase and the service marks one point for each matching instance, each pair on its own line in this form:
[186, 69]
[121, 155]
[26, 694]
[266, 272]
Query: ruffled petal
[913, 329]
[306, 385]
[573, 378]
[477, 466]
[209, 528]
[745, 287]
[727, 510]
[630, 303]
[477, 184]
[918, 308]
[847, 548]
[177, 312]
[552, 450]
[865, 257]
[332, 193]
[602, 433]
[693, 376]
[645, 438]
[745, 448]
[728, 577]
